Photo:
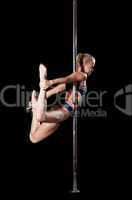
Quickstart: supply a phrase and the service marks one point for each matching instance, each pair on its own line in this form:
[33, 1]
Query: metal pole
[75, 153]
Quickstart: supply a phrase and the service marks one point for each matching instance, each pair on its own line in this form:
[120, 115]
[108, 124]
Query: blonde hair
[80, 60]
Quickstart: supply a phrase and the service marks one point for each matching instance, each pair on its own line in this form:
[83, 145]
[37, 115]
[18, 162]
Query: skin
[45, 123]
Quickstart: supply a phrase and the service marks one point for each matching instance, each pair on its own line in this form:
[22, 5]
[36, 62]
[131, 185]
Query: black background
[33, 34]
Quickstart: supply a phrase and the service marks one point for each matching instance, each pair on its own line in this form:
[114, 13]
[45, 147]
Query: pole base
[75, 191]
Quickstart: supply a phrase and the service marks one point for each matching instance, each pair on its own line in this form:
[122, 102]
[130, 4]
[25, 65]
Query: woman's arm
[74, 77]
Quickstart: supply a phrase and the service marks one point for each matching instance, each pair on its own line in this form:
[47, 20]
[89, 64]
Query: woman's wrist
[50, 83]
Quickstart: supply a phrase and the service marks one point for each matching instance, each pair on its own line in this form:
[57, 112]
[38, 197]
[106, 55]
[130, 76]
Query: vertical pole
[75, 153]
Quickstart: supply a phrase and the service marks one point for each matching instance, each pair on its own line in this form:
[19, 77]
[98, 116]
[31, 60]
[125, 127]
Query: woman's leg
[43, 131]
[41, 107]
[42, 115]
[49, 121]
[53, 116]
[35, 124]
[40, 131]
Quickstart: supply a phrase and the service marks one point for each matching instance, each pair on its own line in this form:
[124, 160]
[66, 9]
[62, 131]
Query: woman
[45, 123]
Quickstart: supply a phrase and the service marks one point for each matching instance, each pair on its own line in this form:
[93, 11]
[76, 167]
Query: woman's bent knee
[33, 138]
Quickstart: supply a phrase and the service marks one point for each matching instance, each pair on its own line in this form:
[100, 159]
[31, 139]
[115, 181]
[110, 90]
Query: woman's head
[85, 63]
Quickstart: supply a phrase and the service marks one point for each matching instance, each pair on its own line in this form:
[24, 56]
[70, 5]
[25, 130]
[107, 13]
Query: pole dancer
[46, 122]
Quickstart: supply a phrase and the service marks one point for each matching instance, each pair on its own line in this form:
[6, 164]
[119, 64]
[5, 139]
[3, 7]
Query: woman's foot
[42, 100]
[33, 103]
[42, 76]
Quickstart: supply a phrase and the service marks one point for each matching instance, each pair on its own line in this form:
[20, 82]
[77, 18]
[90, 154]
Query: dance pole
[75, 148]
